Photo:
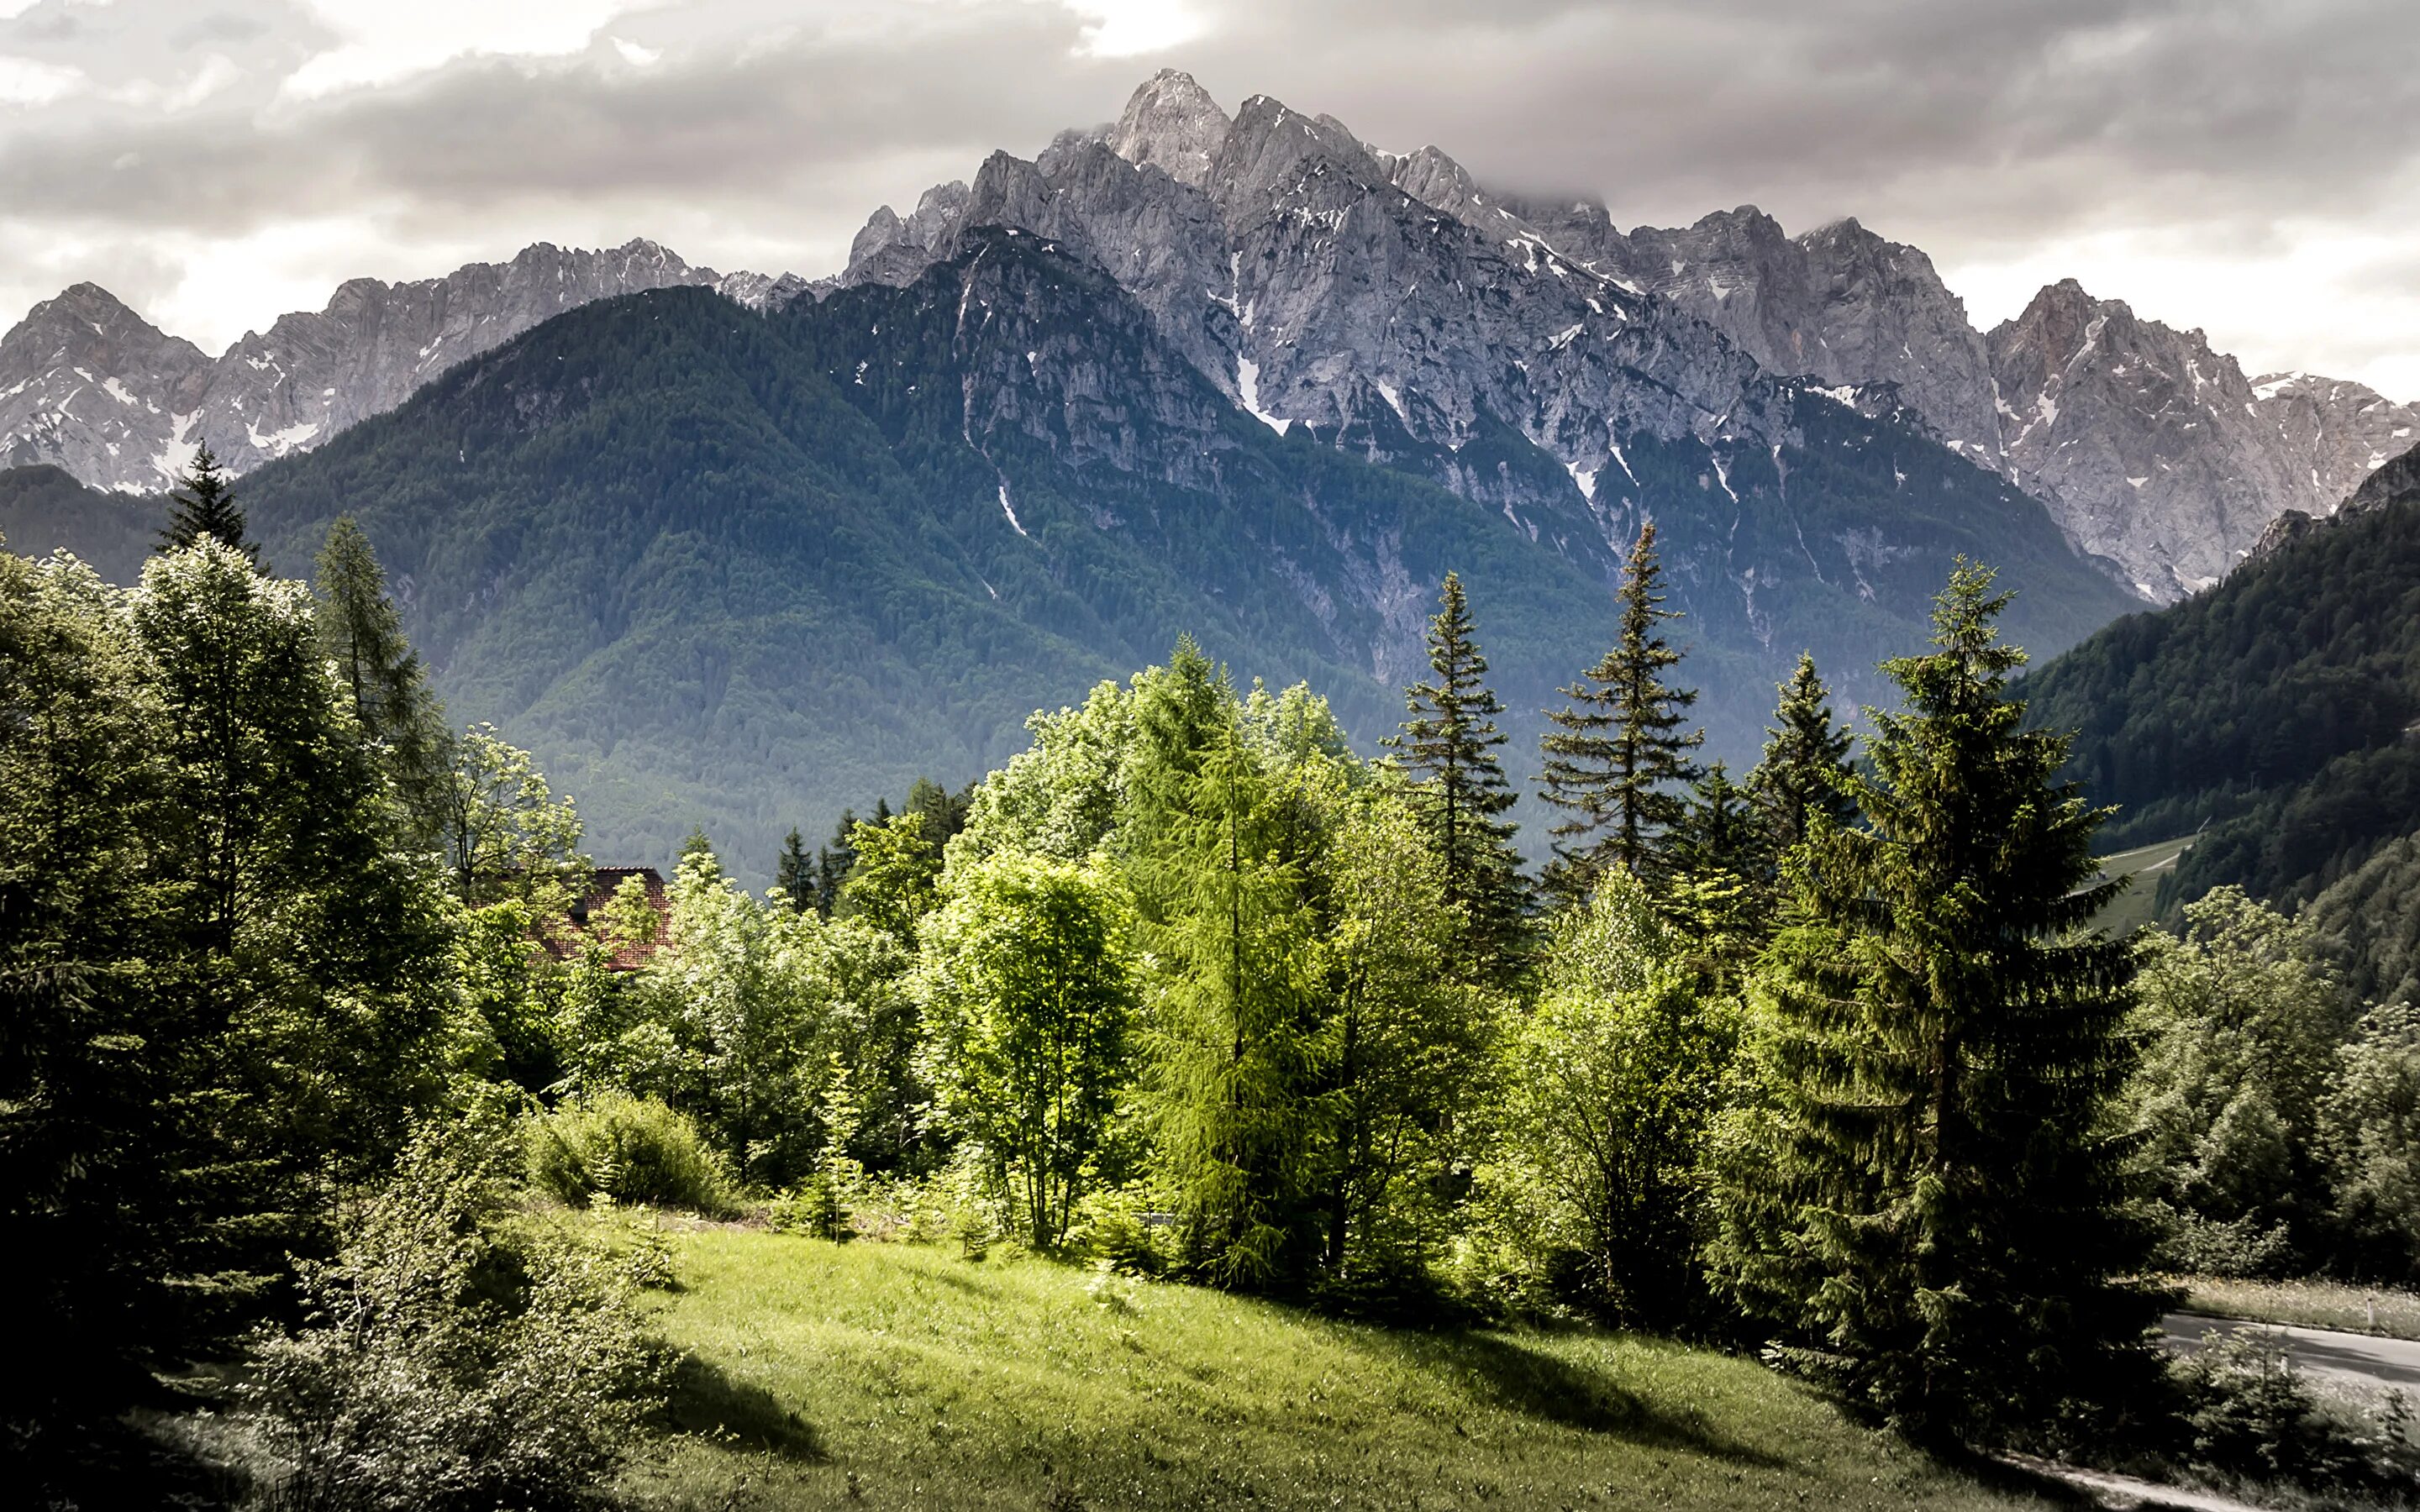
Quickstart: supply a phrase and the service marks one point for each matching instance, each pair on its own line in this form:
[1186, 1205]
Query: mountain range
[736, 550]
[2154, 454]
[90, 386]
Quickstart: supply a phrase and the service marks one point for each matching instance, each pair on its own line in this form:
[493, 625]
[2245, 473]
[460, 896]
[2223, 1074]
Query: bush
[449, 1363]
[2247, 1415]
[627, 1149]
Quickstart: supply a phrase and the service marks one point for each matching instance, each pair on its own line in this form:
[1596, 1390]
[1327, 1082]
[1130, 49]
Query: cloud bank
[2248, 168]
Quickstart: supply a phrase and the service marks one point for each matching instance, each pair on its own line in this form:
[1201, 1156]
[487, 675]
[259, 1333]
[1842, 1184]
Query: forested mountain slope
[44, 508]
[2277, 709]
[740, 570]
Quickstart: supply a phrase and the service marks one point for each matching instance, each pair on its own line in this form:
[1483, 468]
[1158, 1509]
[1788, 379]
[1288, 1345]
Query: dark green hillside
[42, 509]
[721, 569]
[2277, 709]
[654, 541]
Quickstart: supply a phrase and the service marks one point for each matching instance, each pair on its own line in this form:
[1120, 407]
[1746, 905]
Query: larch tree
[1929, 1202]
[1448, 746]
[361, 632]
[1237, 1057]
[1615, 760]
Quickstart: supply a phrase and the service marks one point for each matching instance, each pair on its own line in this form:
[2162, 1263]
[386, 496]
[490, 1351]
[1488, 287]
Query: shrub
[2247, 1415]
[627, 1149]
[449, 1362]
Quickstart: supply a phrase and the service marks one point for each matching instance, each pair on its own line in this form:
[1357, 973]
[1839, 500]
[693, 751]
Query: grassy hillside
[909, 1377]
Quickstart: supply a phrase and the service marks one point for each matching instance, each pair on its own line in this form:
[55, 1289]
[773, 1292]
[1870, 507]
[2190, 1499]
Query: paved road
[2360, 1358]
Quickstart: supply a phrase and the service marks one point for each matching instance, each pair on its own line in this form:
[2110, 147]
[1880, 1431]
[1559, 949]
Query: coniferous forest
[353, 1117]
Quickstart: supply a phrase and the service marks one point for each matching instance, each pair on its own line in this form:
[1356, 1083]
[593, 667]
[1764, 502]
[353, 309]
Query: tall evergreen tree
[795, 873]
[202, 504]
[1805, 764]
[1718, 834]
[1450, 744]
[1930, 1203]
[361, 632]
[1617, 754]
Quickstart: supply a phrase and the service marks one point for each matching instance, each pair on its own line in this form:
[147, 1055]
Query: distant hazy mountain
[88, 385]
[737, 570]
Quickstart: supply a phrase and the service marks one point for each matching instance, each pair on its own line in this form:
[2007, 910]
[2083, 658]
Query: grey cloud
[1976, 128]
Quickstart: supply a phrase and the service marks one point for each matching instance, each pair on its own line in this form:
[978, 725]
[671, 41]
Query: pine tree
[1806, 763]
[795, 873]
[203, 503]
[1450, 744]
[361, 632]
[1931, 1203]
[1616, 752]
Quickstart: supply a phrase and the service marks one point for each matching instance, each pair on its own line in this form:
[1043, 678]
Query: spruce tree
[202, 504]
[1718, 834]
[1806, 763]
[1450, 746]
[1617, 753]
[795, 873]
[1931, 1204]
[361, 632]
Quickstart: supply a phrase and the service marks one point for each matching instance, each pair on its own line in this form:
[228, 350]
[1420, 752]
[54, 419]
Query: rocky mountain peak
[90, 386]
[1270, 153]
[1172, 123]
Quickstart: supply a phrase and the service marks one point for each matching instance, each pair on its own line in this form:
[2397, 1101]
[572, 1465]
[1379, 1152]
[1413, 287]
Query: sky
[2249, 168]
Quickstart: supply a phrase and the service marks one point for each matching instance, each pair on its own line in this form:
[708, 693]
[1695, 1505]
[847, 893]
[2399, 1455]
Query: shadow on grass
[711, 1405]
[1509, 1376]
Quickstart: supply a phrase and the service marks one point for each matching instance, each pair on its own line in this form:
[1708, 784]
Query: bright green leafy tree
[1029, 1003]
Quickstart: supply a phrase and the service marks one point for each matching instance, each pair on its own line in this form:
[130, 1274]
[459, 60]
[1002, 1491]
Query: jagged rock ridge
[88, 385]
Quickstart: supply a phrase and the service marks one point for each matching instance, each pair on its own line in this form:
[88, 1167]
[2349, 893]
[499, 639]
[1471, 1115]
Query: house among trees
[590, 913]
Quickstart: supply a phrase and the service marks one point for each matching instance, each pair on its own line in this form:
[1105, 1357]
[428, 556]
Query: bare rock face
[90, 386]
[1173, 125]
[2157, 453]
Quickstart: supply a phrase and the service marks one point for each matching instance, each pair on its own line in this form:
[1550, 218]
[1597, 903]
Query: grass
[2379, 1310]
[902, 1376]
[2135, 906]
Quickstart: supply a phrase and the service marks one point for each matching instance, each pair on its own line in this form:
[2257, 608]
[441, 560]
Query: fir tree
[203, 503]
[795, 873]
[1617, 753]
[1806, 763]
[361, 632]
[1450, 744]
[1931, 1202]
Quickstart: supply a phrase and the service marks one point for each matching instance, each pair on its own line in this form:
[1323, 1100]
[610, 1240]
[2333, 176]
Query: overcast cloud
[2251, 168]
